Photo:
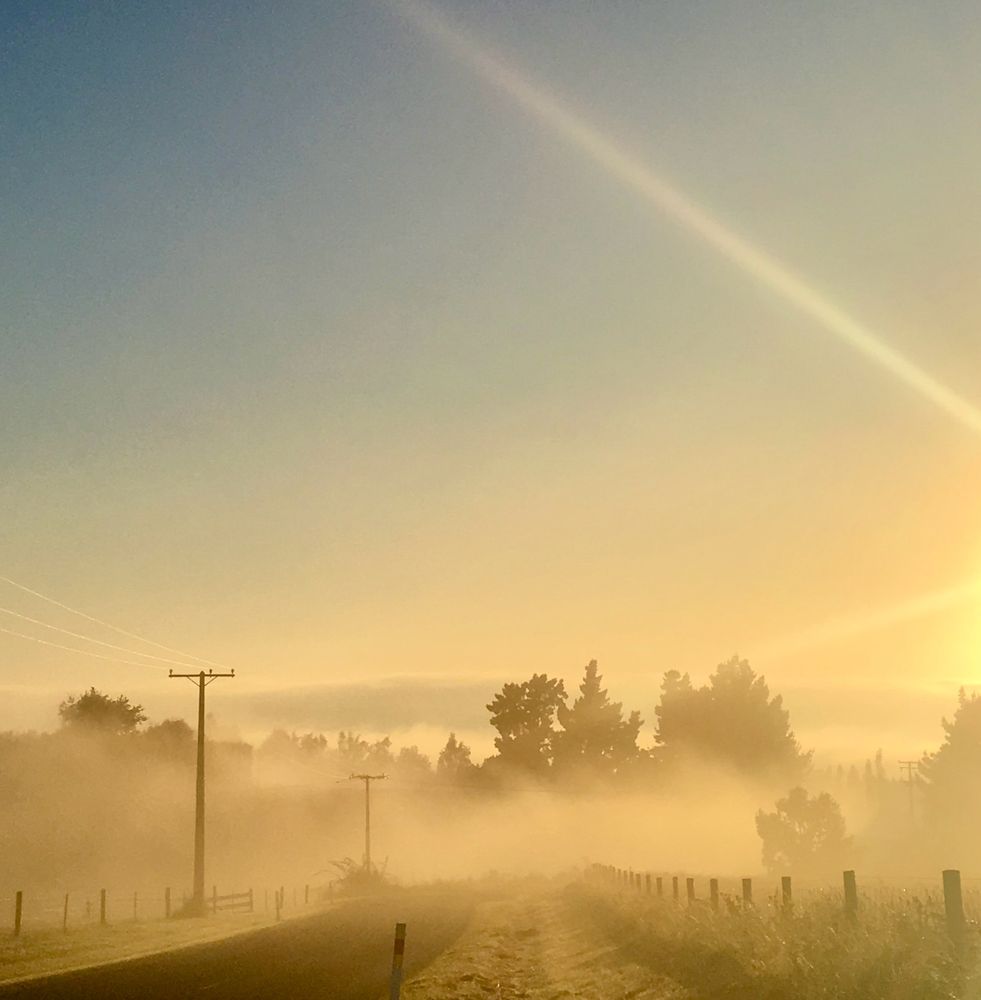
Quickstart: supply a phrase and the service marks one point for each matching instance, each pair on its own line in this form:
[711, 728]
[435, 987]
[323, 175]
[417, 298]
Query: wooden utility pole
[907, 766]
[201, 680]
[367, 779]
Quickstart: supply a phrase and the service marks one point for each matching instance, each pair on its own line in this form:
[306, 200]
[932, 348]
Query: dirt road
[344, 954]
[540, 945]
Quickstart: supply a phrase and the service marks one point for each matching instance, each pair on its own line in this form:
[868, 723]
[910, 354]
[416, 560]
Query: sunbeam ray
[636, 175]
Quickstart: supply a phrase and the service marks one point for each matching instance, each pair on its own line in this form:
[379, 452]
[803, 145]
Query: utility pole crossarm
[367, 779]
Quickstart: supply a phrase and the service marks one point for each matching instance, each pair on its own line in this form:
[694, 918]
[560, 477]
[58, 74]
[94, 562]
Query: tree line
[545, 736]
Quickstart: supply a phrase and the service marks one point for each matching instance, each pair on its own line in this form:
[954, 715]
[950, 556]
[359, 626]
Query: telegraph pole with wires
[367, 779]
[910, 779]
[201, 680]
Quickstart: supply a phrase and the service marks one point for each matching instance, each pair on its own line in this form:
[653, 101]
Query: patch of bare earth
[537, 946]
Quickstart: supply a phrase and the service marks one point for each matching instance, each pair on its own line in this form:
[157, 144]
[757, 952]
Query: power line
[84, 652]
[86, 638]
[108, 625]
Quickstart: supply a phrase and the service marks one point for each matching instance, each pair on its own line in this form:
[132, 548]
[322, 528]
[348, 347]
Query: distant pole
[64, 915]
[907, 766]
[201, 680]
[167, 902]
[367, 779]
[18, 911]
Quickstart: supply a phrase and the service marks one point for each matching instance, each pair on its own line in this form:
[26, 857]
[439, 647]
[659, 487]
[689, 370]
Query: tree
[172, 738]
[594, 736]
[413, 765]
[454, 764]
[98, 713]
[357, 754]
[805, 835]
[732, 720]
[523, 715]
[952, 776]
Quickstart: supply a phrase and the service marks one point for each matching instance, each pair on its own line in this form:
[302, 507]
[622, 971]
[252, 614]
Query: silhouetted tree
[523, 715]
[805, 835]
[594, 736]
[454, 764]
[952, 776]
[356, 754]
[172, 738]
[731, 720]
[98, 713]
[412, 766]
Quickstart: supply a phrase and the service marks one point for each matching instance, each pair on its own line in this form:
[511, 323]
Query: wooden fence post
[675, 895]
[279, 905]
[64, 915]
[851, 894]
[659, 882]
[747, 892]
[786, 896]
[102, 907]
[18, 911]
[714, 893]
[167, 902]
[690, 886]
[953, 903]
[647, 882]
[395, 988]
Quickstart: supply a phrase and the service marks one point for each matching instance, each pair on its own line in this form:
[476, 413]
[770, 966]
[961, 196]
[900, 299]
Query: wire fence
[26, 911]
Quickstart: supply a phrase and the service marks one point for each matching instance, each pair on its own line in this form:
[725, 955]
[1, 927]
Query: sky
[329, 354]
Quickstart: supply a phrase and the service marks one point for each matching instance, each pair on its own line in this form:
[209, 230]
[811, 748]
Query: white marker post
[396, 987]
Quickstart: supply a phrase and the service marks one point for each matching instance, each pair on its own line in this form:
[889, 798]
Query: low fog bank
[107, 800]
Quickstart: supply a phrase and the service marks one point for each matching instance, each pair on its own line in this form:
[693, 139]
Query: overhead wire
[84, 652]
[86, 638]
[109, 625]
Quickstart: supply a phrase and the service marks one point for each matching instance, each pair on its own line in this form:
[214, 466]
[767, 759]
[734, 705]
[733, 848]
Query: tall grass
[896, 949]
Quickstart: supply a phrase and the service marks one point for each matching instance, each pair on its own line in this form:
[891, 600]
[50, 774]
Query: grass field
[46, 950]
